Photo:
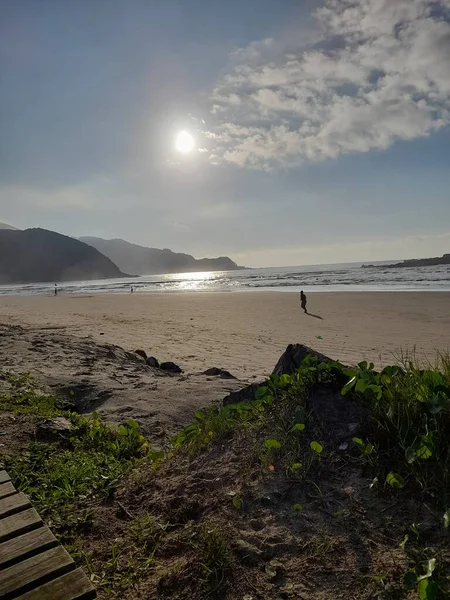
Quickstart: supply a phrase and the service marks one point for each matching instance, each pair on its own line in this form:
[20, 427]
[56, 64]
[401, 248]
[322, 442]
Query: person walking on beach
[56, 289]
[303, 301]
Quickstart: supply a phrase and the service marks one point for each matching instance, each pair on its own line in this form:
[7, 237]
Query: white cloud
[379, 72]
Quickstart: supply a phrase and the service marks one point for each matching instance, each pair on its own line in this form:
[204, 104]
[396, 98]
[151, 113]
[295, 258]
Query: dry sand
[244, 333]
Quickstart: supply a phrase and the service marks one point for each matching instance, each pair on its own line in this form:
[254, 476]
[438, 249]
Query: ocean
[316, 278]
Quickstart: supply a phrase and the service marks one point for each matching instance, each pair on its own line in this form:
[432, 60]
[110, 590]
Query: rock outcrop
[414, 262]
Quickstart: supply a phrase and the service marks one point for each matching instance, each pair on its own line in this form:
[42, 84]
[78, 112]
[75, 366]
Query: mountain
[415, 262]
[37, 255]
[6, 226]
[145, 261]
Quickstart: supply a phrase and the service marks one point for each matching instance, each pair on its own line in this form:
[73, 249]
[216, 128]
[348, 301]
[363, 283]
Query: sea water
[316, 278]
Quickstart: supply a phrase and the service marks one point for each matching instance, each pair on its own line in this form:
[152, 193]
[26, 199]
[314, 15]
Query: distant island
[141, 260]
[35, 255]
[414, 262]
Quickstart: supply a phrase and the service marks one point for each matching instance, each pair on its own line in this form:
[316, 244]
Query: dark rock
[141, 353]
[340, 416]
[171, 367]
[215, 371]
[52, 429]
[292, 358]
[152, 362]
[226, 375]
[244, 395]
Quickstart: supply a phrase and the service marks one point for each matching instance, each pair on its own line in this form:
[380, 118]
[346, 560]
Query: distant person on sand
[132, 290]
[56, 289]
[303, 301]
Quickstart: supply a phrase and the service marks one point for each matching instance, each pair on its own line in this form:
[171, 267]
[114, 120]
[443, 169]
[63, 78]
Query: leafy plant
[365, 449]
[395, 480]
[316, 447]
[272, 444]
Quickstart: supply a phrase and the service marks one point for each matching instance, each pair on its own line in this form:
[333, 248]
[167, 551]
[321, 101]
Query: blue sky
[321, 129]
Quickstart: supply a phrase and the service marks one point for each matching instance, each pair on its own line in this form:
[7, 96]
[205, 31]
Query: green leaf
[361, 386]
[318, 448]
[376, 389]
[296, 466]
[190, 429]
[358, 441]
[369, 449]
[199, 415]
[298, 427]
[237, 502]
[410, 455]
[348, 386]
[285, 381]
[427, 589]
[272, 444]
[133, 424]
[395, 480]
[261, 392]
[430, 565]
[123, 430]
[363, 365]
[403, 542]
[424, 452]
[297, 507]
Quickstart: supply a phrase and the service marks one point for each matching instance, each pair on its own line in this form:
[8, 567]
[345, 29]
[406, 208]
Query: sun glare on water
[184, 142]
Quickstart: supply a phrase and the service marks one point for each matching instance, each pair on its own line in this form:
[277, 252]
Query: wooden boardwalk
[33, 565]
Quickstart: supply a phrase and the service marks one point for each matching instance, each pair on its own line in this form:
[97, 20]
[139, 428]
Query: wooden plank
[35, 571]
[4, 477]
[7, 489]
[72, 586]
[26, 545]
[18, 524]
[13, 504]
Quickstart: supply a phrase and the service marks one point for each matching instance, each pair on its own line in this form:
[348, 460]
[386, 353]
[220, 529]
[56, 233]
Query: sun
[184, 142]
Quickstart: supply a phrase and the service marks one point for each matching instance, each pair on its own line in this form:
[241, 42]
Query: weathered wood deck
[33, 565]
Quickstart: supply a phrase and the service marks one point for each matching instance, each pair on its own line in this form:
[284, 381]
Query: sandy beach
[244, 333]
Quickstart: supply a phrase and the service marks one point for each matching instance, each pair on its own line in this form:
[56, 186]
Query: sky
[320, 129]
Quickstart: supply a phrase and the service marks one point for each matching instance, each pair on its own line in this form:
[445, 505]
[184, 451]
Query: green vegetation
[402, 449]
[21, 397]
[65, 477]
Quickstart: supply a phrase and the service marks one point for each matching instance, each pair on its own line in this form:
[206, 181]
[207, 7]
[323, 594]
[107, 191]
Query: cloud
[377, 71]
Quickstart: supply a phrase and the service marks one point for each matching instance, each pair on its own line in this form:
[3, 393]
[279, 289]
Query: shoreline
[274, 290]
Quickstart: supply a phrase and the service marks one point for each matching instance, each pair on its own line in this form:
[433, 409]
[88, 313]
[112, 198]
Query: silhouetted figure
[56, 289]
[303, 301]
[132, 290]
